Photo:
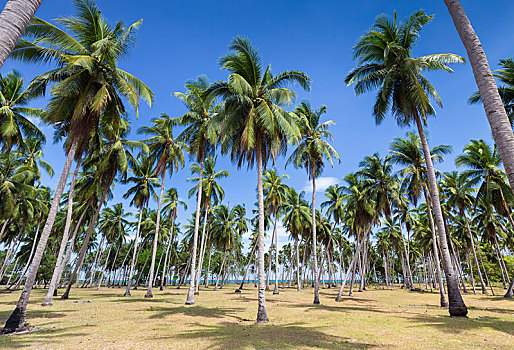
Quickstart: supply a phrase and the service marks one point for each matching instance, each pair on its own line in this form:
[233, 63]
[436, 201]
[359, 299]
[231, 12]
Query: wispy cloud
[322, 183]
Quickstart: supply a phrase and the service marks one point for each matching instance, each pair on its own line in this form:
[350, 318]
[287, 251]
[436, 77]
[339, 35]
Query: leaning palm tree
[200, 135]
[88, 83]
[145, 179]
[312, 150]
[254, 126]
[168, 154]
[494, 108]
[385, 61]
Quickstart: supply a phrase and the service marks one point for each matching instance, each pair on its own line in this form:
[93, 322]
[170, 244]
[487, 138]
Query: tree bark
[473, 250]
[202, 249]
[262, 315]
[493, 105]
[456, 303]
[17, 318]
[105, 267]
[165, 266]
[248, 265]
[14, 18]
[134, 253]
[275, 291]
[314, 242]
[191, 292]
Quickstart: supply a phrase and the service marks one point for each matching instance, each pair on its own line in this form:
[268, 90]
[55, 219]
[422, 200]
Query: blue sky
[180, 40]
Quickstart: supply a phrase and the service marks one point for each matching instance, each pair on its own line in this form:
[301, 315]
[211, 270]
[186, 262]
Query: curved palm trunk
[149, 293]
[191, 292]
[83, 249]
[17, 318]
[4, 227]
[262, 315]
[220, 272]
[314, 252]
[29, 259]
[275, 291]
[457, 306]
[510, 290]
[248, 266]
[493, 105]
[14, 18]
[105, 267]
[65, 236]
[268, 274]
[298, 265]
[134, 254]
[351, 268]
[98, 257]
[165, 266]
[202, 250]
[407, 260]
[473, 250]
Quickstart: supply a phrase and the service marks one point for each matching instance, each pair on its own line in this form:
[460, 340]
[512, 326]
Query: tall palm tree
[254, 126]
[14, 19]
[145, 179]
[14, 112]
[200, 135]
[313, 148]
[88, 84]
[274, 196]
[494, 108]
[296, 216]
[385, 61]
[168, 154]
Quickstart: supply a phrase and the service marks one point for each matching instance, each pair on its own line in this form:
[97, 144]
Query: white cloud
[322, 183]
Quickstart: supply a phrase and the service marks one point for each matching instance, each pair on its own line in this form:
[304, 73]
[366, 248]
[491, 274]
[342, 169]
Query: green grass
[222, 319]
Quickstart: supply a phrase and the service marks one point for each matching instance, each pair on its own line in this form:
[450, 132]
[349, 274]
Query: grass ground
[377, 318]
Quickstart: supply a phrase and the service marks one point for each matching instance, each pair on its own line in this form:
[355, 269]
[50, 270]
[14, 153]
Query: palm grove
[396, 221]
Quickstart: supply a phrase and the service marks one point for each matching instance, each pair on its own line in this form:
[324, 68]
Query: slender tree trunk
[98, 257]
[191, 293]
[352, 264]
[4, 227]
[14, 18]
[262, 315]
[298, 265]
[220, 272]
[83, 249]
[149, 293]
[248, 265]
[29, 259]
[208, 269]
[510, 290]
[493, 105]
[17, 318]
[66, 234]
[134, 254]
[473, 250]
[456, 303]
[165, 266]
[105, 267]
[275, 291]
[314, 241]
[202, 250]
[272, 242]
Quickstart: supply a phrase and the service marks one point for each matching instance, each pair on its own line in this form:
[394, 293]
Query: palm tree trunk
[65, 236]
[208, 268]
[114, 271]
[485, 272]
[4, 227]
[493, 105]
[83, 249]
[98, 257]
[202, 250]
[268, 274]
[510, 290]
[191, 293]
[105, 267]
[473, 250]
[470, 267]
[134, 253]
[29, 259]
[17, 318]
[248, 266]
[165, 266]
[14, 18]
[352, 264]
[456, 303]
[220, 272]
[275, 291]
[149, 293]
[297, 265]
[314, 252]
[262, 315]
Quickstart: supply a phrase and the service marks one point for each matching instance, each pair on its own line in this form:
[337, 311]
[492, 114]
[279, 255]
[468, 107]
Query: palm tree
[494, 108]
[14, 19]
[296, 216]
[14, 124]
[170, 203]
[168, 155]
[31, 155]
[310, 153]
[88, 86]
[200, 135]
[144, 177]
[253, 124]
[213, 193]
[385, 61]
[274, 196]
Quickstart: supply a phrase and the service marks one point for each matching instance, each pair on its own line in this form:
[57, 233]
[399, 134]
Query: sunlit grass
[222, 319]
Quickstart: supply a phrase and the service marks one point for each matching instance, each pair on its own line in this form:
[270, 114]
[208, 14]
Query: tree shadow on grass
[458, 325]
[196, 311]
[227, 335]
[45, 313]
[338, 308]
[41, 336]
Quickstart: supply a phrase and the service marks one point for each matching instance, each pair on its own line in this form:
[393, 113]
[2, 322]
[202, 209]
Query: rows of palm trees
[372, 228]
